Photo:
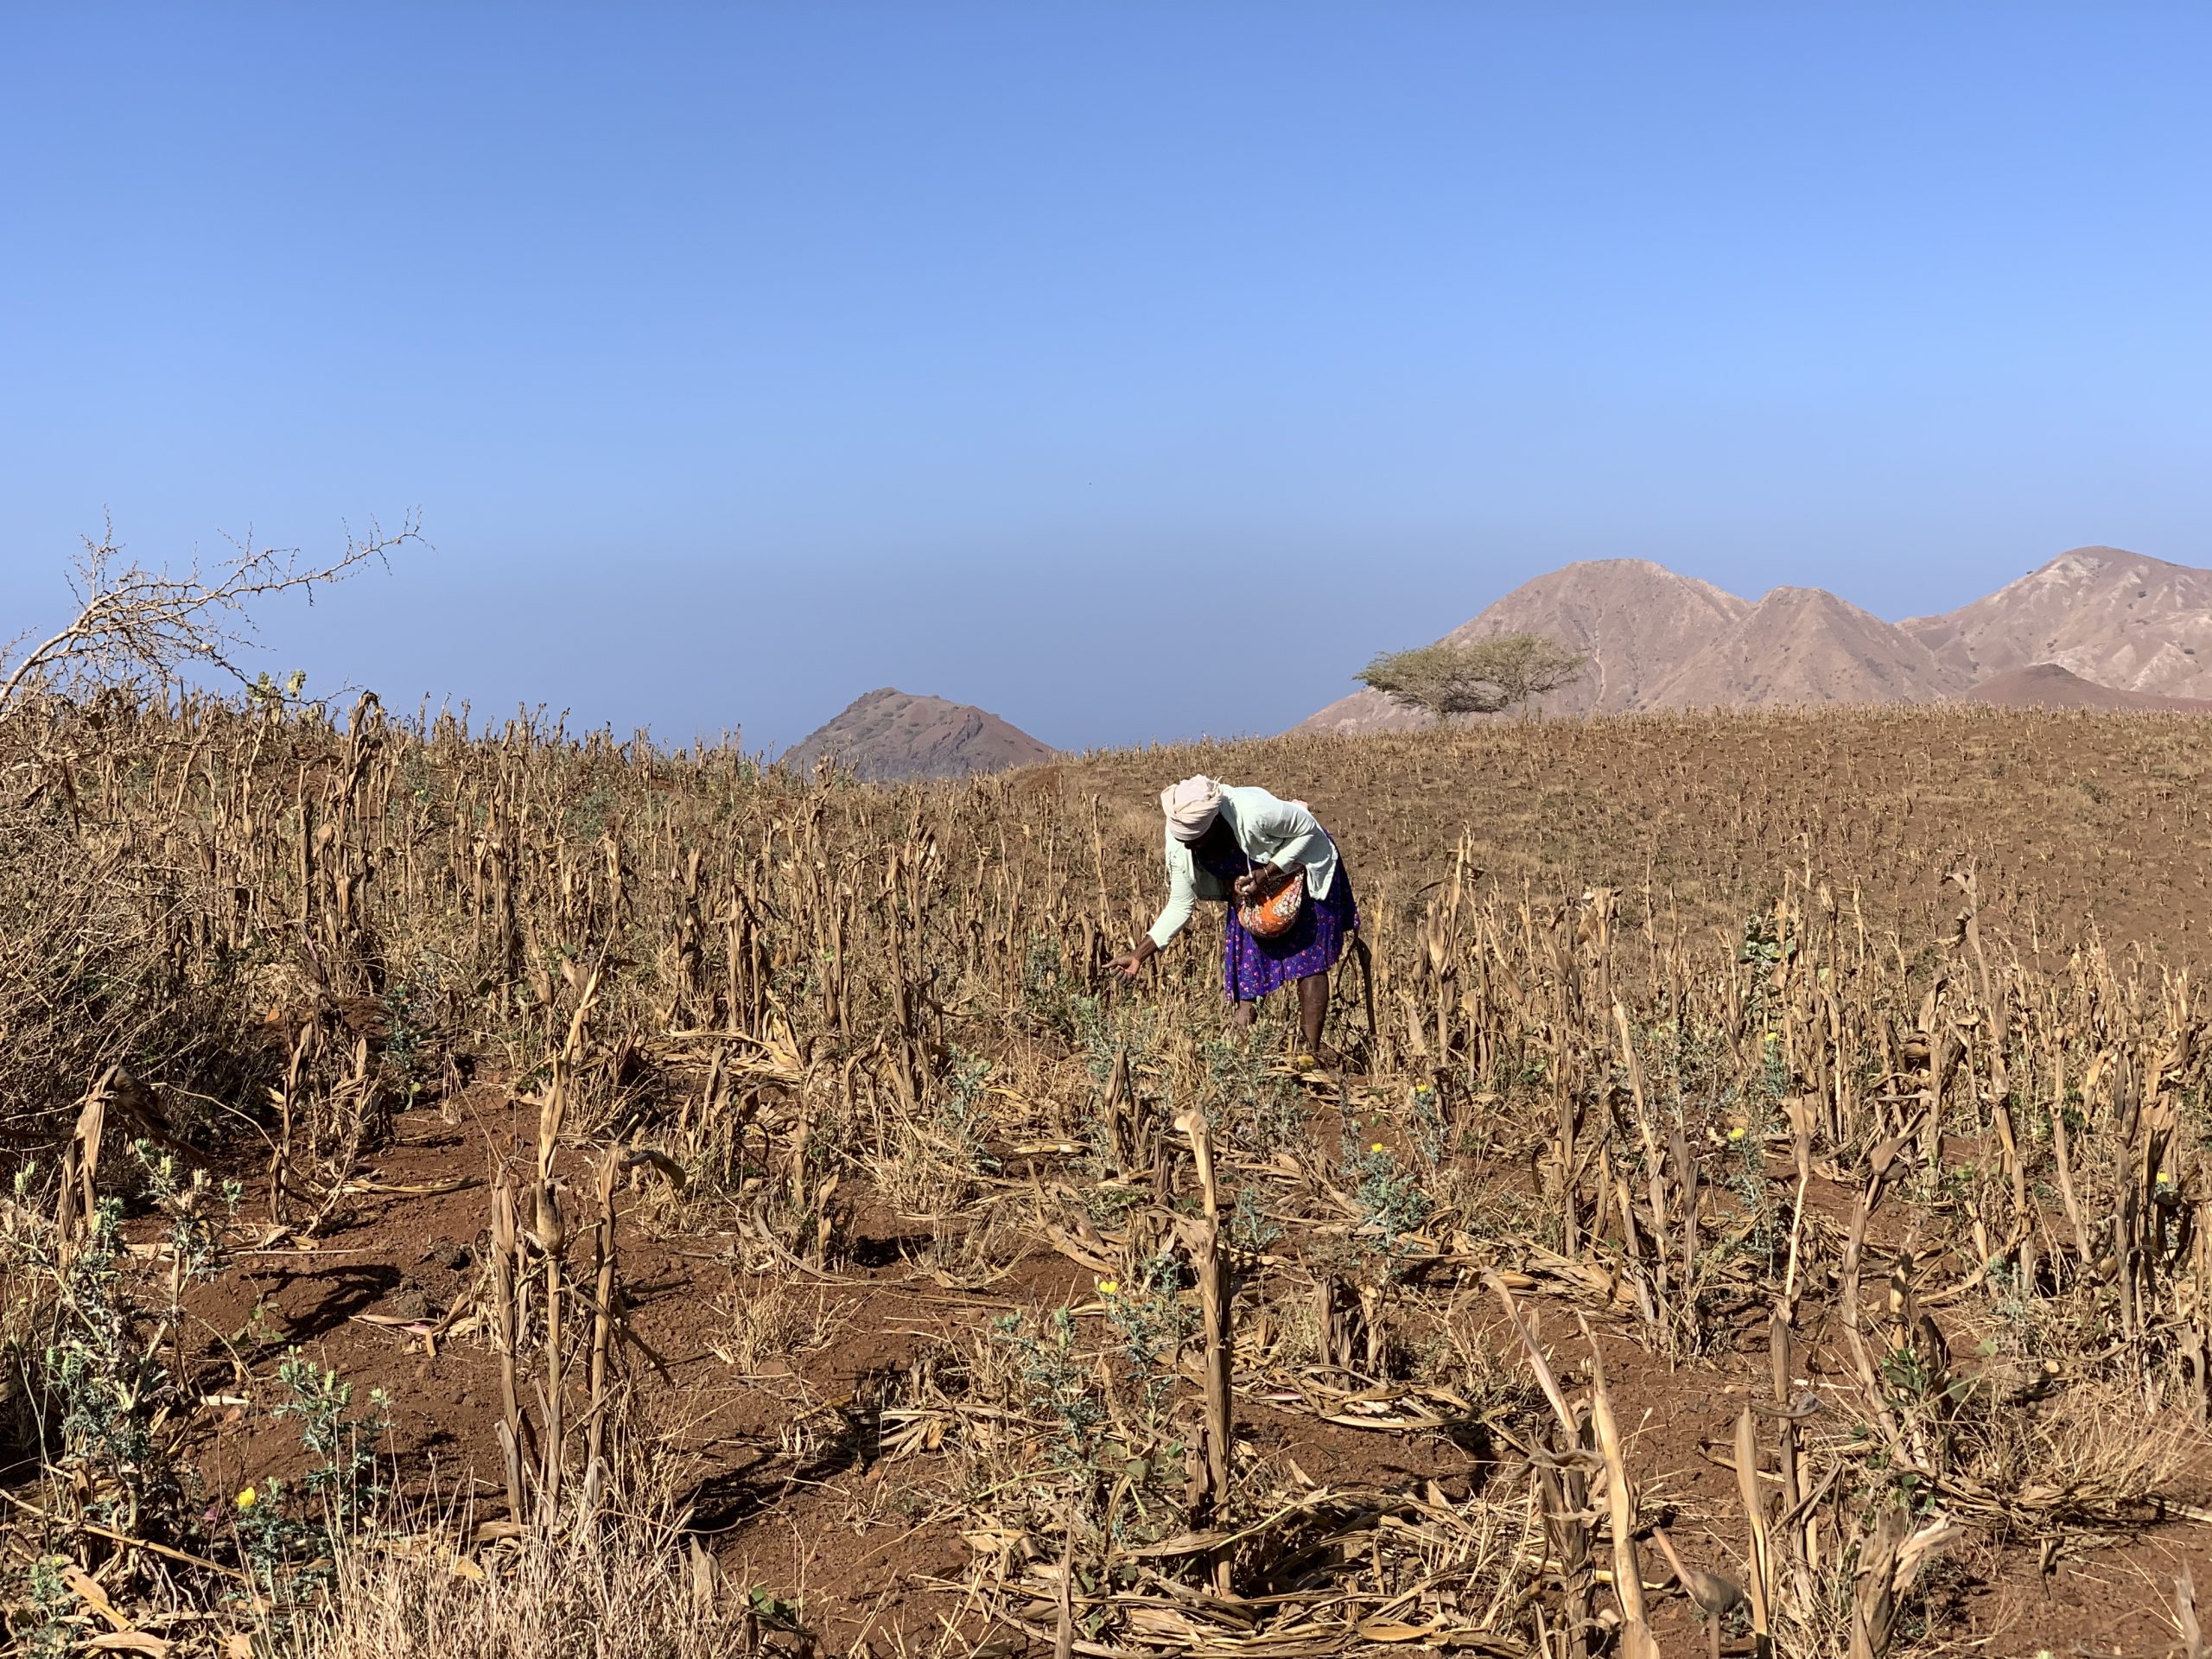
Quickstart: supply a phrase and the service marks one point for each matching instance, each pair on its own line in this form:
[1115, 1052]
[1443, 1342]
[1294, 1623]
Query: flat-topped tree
[1481, 677]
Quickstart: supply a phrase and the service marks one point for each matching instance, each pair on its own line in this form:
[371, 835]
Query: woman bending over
[1239, 846]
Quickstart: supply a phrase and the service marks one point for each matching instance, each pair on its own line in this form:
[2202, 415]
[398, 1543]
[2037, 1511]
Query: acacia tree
[146, 630]
[1480, 676]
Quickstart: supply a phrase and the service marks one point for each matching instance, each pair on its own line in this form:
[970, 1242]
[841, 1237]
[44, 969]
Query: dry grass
[769, 1323]
[622, 1593]
[1867, 1038]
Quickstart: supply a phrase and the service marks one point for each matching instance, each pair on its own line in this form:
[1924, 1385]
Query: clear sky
[1133, 369]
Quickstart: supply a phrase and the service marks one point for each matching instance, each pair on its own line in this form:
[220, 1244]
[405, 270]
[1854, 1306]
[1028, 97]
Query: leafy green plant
[200, 1212]
[107, 1386]
[287, 1544]
[1148, 1316]
[1390, 1198]
[1058, 1383]
[1248, 1093]
[1110, 1435]
[408, 1005]
[1053, 999]
[775, 1612]
[959, 1108]
[342, 1441]
[40, 1624]
[1250, 1228]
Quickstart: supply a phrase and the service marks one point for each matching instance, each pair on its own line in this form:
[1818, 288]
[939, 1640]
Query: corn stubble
[1758, 1049]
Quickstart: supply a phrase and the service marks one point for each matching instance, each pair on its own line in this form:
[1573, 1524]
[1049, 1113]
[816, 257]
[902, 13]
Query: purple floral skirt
[1251, 967]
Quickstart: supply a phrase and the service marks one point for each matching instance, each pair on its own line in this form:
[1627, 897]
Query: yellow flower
[248, 1499]
[1736, 1133]
[1377, 1146]
[1108, 1286]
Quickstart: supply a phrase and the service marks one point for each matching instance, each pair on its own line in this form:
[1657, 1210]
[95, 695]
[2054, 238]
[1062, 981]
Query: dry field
[530, 1196]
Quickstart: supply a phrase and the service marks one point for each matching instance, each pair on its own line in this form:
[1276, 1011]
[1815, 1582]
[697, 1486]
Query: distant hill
[1803, 645]
[1638, 621]
[2048, 686]
[2097, 627]
[889, 737]
[2110, 617]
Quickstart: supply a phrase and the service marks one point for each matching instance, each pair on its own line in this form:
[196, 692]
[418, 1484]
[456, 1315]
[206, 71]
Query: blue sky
[743, 358]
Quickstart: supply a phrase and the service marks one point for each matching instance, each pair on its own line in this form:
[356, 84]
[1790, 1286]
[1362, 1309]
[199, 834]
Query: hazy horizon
[742, 361]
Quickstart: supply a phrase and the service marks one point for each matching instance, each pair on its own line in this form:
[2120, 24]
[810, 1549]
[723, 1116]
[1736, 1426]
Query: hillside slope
[1635, 620]
[889, 736]
[1803, 646]
[2046, 685]
[2105, 614]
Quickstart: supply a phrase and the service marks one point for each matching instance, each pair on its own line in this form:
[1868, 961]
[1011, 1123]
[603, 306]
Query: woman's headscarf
[1192, 806]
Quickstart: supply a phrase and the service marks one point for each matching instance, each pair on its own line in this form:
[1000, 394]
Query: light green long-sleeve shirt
[1270, 831]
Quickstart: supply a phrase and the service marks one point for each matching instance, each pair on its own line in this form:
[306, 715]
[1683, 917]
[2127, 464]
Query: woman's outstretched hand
[1130, 965]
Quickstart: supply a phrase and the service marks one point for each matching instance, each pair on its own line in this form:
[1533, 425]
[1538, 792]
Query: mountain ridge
[2103, 614]
[1804, 646]
[2109, 619]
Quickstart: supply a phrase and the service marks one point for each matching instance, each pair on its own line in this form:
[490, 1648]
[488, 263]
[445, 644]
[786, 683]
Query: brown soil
[2080, 823]
[858, 1539]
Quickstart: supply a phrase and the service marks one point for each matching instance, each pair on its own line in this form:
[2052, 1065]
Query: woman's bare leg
[1313, 1008]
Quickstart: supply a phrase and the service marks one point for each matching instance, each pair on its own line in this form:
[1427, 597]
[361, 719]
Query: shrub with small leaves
[1390, 1200]
[288, 1545]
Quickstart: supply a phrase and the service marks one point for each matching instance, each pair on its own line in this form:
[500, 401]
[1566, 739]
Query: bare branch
[145, 629]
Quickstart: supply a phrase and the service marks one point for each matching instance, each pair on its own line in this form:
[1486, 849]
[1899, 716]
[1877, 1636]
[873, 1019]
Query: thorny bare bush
[1939, 1189]
[145, 630]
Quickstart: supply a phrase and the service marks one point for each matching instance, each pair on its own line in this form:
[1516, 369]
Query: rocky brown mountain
[1638, 621]
[2108, 616]
[890, 737]
[1804, 646]
[2096, 627]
